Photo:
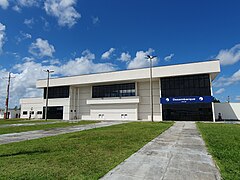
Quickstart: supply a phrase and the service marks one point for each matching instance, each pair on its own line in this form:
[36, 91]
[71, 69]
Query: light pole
[48, 73]
[150, 58]
[6, 115]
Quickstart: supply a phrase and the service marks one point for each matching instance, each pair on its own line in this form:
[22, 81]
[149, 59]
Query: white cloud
[84, 65]
[4, 4]
[108, 53]
[95, 20]
[3, 73]
[27, 73]
[41, 48]
[2, 36]
[140, 59]
[63, 10]
[229, 56]
[169, 57]
[27, 3]
[226, 81]
[23, 36]
[237, 98]
[16, 55]
[220, 91]
[54, 62]
[51, 62]
[125, 57]
[26, 35]
[28, 59]
[23, 84]
[19, 4]
[46, 25]
[16, 8]
[29, 22]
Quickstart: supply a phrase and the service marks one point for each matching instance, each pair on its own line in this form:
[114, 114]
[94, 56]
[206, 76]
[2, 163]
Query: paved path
[26, 124]
[23, 136]
[178, 153]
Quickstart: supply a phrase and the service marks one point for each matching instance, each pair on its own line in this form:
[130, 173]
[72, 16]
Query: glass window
[114, 90]
[57, 92]
[188, 112]
[195, 85]
[24, 112]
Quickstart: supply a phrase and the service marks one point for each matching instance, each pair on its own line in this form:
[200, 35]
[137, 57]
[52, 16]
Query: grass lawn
[20, 121]
[81, 155]
[16, 129]
[223, 142]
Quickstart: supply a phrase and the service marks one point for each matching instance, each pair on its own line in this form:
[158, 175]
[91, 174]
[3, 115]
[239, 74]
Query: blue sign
[186, 99]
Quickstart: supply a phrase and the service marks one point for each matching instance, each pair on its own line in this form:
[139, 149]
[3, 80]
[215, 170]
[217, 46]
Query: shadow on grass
[26, 153]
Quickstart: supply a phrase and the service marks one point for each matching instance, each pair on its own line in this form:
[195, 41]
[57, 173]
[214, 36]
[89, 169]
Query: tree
[215, 100]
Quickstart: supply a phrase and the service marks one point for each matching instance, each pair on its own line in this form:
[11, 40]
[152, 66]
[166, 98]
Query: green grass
[82, 155]
[20, 121]
[223, 142]
[16, 129]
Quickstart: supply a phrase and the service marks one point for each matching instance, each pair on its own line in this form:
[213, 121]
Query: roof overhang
[207, 67]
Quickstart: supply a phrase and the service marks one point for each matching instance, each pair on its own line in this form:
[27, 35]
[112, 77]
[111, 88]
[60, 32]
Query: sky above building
[75, 37]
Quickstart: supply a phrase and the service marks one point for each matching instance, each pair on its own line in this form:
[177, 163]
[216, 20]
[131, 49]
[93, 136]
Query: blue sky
[83, 36]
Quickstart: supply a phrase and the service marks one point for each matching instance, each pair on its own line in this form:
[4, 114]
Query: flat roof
[205, 67]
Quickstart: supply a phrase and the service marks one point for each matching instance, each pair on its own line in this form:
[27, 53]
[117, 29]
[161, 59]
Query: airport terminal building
[180, 92]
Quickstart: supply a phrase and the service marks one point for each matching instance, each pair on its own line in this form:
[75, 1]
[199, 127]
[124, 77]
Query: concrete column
[136, 89]
[160, 95]
[137, 105]
[213, 110]
[78, 100]
[71, 103]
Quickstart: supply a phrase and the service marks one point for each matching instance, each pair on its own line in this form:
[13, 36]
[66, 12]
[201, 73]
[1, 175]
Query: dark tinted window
[188, 112]
[196, 85]
[57, 92]
[24, 112]
[53, 112]
[115, 90]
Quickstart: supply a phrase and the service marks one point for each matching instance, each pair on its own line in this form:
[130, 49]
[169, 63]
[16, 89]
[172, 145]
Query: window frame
[114, 90]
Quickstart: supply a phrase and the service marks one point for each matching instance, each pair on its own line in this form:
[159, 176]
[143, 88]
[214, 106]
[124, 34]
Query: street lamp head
[150, 57]
[48, 71]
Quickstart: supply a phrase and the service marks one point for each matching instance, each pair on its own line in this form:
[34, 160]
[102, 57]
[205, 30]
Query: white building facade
[13, 113]
[180, 92]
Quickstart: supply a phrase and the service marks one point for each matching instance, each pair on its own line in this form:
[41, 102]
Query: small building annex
[180, 92]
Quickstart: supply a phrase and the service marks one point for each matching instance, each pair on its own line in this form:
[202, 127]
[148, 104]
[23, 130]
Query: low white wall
[229, 111]
[12, 114]
[37, 104]
[114, 112]
[31, 104]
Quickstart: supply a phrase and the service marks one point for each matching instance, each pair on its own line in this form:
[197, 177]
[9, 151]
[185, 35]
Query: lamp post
[48, 73]
[150, 58]
[6, 115]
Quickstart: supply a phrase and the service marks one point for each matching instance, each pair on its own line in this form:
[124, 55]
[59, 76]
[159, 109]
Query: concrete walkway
[26, 124]
[178, 153]
[23, 136]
